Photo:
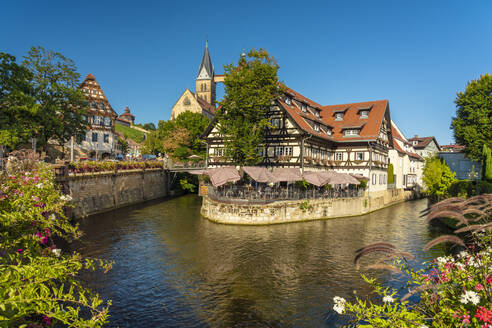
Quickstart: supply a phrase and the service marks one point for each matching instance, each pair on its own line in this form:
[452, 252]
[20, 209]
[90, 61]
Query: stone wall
[294, 211]
[99, 192]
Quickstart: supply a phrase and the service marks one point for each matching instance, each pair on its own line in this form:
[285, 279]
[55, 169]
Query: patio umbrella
[221, 175]
[259, 174]
[288, 174]
[342, 178]
[194, 157]
[317, 178]
[360, 177]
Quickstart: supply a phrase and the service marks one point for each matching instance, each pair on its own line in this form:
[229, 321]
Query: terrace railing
[250, 194]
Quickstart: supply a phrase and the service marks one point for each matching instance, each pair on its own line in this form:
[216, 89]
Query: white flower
[463, 254]
[66, 198]
[388, 299]
[339, 306]
[423, 326]
[56, 251]
[40, 185]
[52, 217]
[460, 266]
[444, 259]
[470, 296]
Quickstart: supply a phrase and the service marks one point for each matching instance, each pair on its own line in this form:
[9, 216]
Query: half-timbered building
[349, 138]
[100, 140]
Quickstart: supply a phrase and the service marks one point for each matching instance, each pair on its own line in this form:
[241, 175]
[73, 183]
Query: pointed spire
[206, 70]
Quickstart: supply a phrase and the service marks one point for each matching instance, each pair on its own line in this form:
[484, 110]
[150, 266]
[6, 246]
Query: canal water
[173, 268]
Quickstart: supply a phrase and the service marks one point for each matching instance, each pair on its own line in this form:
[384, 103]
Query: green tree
[391, 173]
[437, 177]
[251, 87]
[62, 105]
[124, 145]
[149, 126]
[18, 108]
[179, 138]
[472, 125]
[487, 163]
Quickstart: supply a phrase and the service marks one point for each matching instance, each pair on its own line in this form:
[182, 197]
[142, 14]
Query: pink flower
[20, 250]
[484, 314]
[35, 198]
[489, 279]
[44, 240]
[47, 231]
[478, 287]
[47, 320]
[38, 234]
[466, 319]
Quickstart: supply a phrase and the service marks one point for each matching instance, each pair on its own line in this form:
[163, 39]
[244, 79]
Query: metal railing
[250, 194]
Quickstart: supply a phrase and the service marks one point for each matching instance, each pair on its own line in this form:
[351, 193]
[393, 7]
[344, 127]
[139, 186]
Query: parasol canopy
[259, 174]
[317, 178]
[342, 178]
[221, 175]
[288, 174]
[360, 177]
[194, 157]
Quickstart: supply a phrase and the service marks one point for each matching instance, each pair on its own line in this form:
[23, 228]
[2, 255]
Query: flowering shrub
[107, 166]
[38, 284]
[453, 291]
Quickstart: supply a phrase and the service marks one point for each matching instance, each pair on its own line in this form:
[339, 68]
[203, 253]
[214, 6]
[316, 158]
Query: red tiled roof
[206, 106]
[370, 126]
[454, 147]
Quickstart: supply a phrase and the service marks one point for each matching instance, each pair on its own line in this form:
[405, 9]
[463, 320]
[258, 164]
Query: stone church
[203, 99]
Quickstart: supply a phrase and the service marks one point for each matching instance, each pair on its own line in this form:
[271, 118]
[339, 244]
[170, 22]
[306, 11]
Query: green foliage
[39, 285]
[130, 133]
[186, 185]
[472, 125]
[303, 184]
[62, 105]
[251, 87]
[149, 126]
[487, 163]
[179, 138]
[124, 145]
[305, 206]
[363, 184]
[437, 177]
[391, 173]
[18, 109]
[469, 188]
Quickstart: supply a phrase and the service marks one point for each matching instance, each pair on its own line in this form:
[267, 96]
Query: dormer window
[288, 101]
[338, 116]
[316, 113]
[415, 142]
[329, 132]
[351, 132]
[364, 114]
[316, 127]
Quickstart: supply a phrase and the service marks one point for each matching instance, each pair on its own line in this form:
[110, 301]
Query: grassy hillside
[135, 135]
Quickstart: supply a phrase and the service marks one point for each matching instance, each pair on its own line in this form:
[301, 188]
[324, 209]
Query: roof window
[288, 101]
[339, 116]
[364, 114]
[303, 107]
[316, 113]
[316, 127]
[351, 132]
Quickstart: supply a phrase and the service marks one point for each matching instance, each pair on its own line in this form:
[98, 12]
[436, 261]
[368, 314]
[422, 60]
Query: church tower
[205, 84]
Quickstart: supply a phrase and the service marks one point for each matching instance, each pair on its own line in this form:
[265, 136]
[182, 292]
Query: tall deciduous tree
[251, 87]
[63, 106]
[472, 125]
[18, 108]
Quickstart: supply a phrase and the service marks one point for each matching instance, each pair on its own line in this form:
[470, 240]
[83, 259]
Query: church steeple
[205, 85]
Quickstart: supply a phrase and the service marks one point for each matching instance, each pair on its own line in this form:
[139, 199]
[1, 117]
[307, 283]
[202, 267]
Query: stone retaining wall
[299, 210]
[99, 192]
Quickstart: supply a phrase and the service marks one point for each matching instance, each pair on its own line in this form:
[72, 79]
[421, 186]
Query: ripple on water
[174, 269]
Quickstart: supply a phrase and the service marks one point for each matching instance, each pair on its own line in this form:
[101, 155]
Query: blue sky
[417, 54]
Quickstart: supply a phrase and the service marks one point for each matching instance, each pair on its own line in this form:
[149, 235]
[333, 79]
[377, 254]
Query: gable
[186, 102]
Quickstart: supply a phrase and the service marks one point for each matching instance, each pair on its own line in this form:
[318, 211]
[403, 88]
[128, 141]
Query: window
[94, 137]
[94, 105]
[316, 127]
[288, 101]
[364, 114]
[315, 153]
[359, 156]
[328, 132]
[415, 142]
[106, 138]
[107, 121]
[303, 107]
[374, 178]
[94, 92]
[96, 120]
[338, 156]
[101, 106]
[219, 152]
[351, 132]
[277, 122]
[338, 116]
[288, 151]
[316, 113]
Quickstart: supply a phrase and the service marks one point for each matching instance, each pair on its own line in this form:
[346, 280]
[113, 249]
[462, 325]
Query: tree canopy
[178, 138]
[18, 108]
[437, 177]
[62, 105]
[251, 87]
[472, 125]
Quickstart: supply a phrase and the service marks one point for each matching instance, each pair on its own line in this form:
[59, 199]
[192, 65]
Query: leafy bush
[391, 173]
[469, 188]
[38, 281]
[107, 166]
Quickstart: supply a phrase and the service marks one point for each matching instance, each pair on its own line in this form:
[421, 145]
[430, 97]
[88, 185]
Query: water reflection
[175, 269]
